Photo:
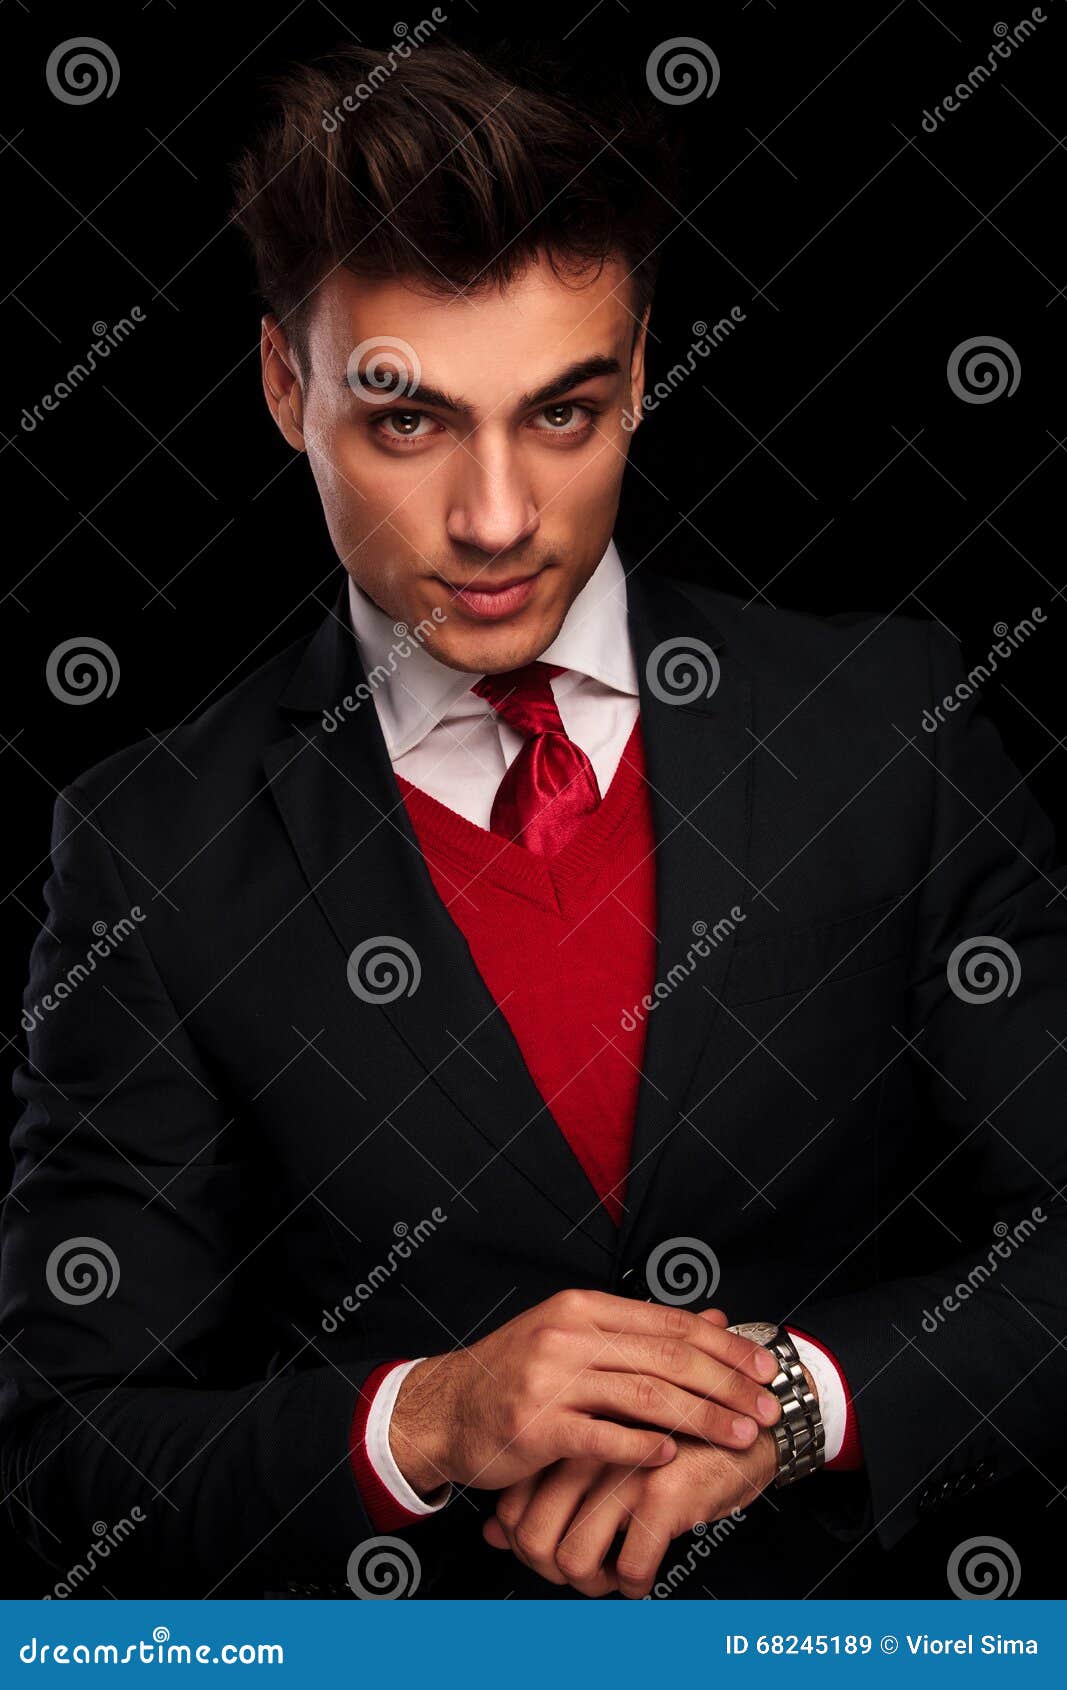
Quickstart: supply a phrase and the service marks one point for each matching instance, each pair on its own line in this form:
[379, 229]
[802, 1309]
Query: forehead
[484, 344]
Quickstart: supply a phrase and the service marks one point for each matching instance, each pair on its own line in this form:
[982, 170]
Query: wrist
[418, 1428]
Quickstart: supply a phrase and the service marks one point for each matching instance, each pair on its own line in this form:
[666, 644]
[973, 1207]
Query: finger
[494, 1533]
[679, 1363]
[549, 1512]
[583, 1552]
[644, 1546]
[717, 1317]
[655, 1402]
[622, 1446]
[625, 1314]
[510, 1508]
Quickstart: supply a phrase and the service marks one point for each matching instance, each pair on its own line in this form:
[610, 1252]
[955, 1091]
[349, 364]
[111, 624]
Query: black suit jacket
[250, 1138]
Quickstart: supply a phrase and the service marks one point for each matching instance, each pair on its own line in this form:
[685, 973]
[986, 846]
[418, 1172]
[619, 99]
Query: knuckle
[571, 1305]
[509, 1513]
[530, 1543]
[677, 1323]
[632, 1569]
[674, 1355]
[647, 1396]
[573, 1561]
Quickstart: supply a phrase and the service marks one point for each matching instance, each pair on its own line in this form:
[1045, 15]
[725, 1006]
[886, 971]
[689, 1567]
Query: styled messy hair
[451, 171]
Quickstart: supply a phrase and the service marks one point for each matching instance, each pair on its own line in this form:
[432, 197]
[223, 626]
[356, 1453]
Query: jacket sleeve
[959, 1375]
[130, 1261]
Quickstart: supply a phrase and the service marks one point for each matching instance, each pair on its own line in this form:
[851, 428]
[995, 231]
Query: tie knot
[524, 697]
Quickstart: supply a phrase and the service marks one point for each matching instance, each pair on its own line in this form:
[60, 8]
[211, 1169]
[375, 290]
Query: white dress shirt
[452, 744]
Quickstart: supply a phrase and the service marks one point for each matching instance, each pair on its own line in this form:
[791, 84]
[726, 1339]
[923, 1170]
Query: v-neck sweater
[566, 945]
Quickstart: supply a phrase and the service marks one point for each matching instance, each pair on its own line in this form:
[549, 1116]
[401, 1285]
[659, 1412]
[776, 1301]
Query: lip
[491, 602]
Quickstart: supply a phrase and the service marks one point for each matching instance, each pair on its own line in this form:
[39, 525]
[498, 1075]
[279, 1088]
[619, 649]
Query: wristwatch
[799, 1435]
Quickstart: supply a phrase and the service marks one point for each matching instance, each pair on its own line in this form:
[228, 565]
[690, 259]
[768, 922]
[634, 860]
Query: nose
[492, 506]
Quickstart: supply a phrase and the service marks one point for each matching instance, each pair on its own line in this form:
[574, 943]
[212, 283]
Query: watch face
[760, 1331]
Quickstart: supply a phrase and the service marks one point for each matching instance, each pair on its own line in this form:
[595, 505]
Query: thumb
[494, 1534]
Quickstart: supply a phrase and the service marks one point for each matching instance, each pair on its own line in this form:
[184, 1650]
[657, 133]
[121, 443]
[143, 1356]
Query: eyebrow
[586, 369]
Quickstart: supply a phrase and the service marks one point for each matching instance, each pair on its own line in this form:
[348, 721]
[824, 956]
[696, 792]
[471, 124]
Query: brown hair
[449, 169]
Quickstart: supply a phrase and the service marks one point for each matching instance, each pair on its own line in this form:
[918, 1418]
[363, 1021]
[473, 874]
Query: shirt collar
[413, 691]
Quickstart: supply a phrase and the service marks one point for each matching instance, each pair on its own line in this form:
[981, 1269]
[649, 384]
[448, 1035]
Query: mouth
[489, 602]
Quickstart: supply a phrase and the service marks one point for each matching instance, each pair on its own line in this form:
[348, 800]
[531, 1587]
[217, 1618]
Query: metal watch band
[799, 1435]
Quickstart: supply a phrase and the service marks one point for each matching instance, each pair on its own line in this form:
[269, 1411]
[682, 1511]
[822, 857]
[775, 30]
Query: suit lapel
[698, 757]
[349, 827]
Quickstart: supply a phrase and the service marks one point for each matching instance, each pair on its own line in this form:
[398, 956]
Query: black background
[819, 456]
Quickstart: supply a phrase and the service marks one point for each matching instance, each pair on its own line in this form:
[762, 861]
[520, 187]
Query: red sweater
[566, 945]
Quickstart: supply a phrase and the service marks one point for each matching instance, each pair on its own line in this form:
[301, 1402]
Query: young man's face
[487, 487]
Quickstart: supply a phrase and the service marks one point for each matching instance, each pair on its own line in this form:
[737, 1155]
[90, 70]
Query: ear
[281, 383]
[637, 371]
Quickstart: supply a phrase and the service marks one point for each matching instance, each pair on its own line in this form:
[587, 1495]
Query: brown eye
[407, 422]
[565, 418]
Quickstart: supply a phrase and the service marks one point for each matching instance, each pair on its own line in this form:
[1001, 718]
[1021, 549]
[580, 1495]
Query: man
[537, 959]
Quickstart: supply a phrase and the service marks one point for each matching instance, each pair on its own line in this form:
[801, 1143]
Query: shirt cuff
[388, 1498]
[843, 1449]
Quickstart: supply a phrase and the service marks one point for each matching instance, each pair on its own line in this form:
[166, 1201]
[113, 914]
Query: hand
[564, 1522]
[583, 1374]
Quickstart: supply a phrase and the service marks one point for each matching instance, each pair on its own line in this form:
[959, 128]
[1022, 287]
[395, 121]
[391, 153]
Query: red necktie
[551, 785]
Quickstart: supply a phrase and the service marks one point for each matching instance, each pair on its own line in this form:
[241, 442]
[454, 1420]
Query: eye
[565, 418]
[398, 426]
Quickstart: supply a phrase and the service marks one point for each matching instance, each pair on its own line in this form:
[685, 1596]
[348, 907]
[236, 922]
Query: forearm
[253, 1482]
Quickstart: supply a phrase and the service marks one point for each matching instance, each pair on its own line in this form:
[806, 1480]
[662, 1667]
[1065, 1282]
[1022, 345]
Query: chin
[482, 651]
